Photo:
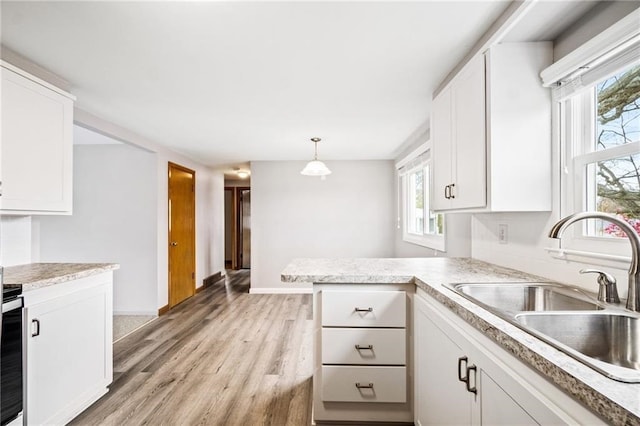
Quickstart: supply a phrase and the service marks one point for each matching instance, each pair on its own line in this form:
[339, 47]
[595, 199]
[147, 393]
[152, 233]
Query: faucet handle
[608, 291]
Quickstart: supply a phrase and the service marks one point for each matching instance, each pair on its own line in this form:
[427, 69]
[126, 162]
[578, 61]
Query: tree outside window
[617, 179]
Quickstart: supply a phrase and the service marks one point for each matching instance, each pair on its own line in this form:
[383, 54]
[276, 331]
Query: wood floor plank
[223, 357]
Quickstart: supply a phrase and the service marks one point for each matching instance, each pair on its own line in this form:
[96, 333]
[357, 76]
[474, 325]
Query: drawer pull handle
[363, 309]
[368, 347]
[474, 388]
[361, 386]
[464, 379]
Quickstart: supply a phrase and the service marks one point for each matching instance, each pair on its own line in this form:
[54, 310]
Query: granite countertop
[616, 402]
[400, 270]
[37, 275]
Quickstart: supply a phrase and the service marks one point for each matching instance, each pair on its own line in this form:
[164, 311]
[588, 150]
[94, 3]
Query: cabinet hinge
[193, 275]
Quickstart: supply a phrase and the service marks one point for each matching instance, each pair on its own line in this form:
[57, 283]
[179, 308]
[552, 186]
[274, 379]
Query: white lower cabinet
[368, 346]
[463, 378]
[440, 397]
[362, 359]
[364, 384]
[69, 358]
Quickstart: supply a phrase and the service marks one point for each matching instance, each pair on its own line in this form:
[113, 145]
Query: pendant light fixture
[315, 167]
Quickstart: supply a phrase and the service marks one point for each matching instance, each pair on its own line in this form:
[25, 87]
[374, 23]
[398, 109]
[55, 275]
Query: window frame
[420, 159]
[577, 129]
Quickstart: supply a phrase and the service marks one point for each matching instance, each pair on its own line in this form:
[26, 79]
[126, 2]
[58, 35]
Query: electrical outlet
[502, 233]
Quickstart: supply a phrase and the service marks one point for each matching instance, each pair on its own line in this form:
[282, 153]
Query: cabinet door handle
[471, 389]
[35, 327]
[451, 190]
[368, 347]
[447, 192]
[361, 386]
[464, 379]
[363, 309]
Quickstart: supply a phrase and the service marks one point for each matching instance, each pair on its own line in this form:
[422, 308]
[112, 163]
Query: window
[601, 139]
[419, 224]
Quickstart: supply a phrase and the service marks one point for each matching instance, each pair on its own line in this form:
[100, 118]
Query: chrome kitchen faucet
[633, 296]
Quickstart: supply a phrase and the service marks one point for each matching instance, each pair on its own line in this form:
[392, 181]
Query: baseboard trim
[211, 280]
[163, 310]
[278, 290]
[146, 313]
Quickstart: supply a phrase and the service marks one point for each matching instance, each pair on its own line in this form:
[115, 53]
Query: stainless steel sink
[518, 297]
[611, 339]
[603, 336]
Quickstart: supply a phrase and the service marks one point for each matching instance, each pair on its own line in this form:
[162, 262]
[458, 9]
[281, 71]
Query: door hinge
[193, 275]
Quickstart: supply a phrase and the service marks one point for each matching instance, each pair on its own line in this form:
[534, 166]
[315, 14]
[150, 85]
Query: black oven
[11, 368]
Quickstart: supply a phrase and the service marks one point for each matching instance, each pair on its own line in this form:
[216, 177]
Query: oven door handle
[11, 305]
[35, 327]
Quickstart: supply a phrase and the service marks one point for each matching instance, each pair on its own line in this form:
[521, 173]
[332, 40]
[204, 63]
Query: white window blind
[591, 74]
[417, 162]
[610, 42]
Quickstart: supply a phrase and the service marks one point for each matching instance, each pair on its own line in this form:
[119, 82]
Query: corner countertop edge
[614, 401]
[32, 276]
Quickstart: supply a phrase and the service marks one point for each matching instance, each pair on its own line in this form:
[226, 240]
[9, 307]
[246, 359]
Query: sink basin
[607, 341]
[523, 297]
[602, 336]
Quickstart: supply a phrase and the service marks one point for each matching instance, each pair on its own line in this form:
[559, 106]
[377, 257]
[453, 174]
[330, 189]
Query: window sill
[429, 241]
[588, 257]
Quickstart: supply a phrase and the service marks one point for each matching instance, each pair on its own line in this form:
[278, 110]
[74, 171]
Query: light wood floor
[223, 357]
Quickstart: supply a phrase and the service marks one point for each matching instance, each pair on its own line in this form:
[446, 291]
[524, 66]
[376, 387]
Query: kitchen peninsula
[68, 333]
[554, 387]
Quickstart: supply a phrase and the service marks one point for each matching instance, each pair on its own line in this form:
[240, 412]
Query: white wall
[113, 220]
[209, 204]
[19, 236]
[527, 232]
[602, 16]
[209, 224]
[350, 214]
[16, 235]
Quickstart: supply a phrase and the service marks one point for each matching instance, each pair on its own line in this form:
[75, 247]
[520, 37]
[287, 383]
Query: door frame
[241, 226]
[236, 243]
[171, 165]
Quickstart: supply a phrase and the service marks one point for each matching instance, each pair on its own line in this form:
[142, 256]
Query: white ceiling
[228, 82]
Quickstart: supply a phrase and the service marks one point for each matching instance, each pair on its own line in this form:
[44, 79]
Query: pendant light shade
[315, 167]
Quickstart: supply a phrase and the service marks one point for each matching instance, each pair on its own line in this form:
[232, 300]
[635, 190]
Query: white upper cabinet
[459, 141]
[36, 148]
[491, 133]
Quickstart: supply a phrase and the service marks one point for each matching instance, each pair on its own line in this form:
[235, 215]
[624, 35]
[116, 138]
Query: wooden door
[182, 220]
[241, 236]
[245, 228]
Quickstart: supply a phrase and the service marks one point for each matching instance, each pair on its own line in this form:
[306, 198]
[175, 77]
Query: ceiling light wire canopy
[315, 167]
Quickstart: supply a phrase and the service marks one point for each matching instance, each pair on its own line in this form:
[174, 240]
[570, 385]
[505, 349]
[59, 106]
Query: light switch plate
[502, 233]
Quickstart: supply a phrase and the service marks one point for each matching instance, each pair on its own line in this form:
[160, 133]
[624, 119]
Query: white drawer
[364, 308]
[387, 346]
[364, 384]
